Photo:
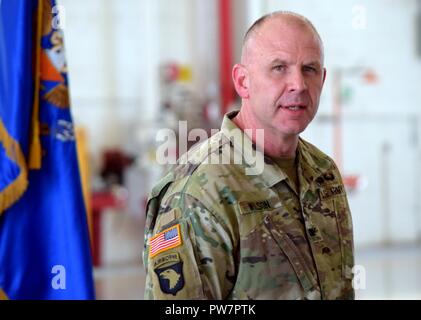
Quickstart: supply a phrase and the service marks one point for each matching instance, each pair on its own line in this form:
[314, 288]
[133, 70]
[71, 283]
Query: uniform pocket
[271, 265]
[297, 261]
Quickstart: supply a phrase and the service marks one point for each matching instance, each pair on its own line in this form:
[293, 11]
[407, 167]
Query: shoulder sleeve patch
[169, 269]
[165, 240]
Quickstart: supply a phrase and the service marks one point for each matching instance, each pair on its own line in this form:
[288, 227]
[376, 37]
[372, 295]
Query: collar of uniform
[310, 165]
[271, 173]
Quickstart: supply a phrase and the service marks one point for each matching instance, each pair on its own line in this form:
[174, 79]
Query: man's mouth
[294, 107]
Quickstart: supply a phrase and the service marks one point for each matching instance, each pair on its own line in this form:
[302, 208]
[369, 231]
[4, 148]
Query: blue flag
[44, 239]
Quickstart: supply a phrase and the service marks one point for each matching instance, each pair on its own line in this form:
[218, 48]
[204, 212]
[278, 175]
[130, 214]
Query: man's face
[285, 76]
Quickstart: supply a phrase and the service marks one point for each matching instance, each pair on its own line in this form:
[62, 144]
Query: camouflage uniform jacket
[214, 232]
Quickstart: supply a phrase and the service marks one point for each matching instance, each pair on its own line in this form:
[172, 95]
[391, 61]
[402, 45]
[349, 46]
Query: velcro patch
[331, 191]
[167, 217]
[165, 240]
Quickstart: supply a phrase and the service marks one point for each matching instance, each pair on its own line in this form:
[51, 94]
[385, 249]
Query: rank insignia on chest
[169, 270]
[165, 240]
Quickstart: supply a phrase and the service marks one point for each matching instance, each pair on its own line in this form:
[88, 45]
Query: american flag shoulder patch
[165, 240]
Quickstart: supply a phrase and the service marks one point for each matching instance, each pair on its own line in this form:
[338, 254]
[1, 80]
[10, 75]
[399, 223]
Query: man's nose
[296, 81]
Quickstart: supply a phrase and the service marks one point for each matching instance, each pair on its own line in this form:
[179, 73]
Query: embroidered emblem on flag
[165, 240]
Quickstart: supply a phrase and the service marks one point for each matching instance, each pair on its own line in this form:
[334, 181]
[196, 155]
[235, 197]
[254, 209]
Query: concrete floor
[121, 274]
[392, 272]
[119, 282]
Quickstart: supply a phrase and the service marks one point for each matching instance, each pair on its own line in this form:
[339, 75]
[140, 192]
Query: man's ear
[324, 75]
[241, 80]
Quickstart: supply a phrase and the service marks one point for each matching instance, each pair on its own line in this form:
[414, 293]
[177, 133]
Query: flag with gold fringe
[44, 240]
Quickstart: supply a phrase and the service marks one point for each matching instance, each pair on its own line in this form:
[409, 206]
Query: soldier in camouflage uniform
[218, 228]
